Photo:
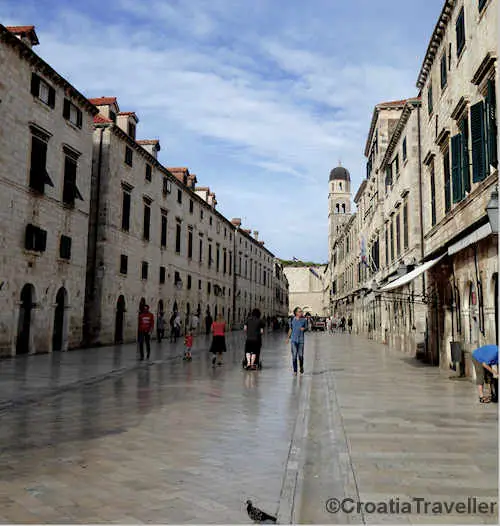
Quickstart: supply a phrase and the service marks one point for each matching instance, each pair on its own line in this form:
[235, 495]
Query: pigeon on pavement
[258, 515]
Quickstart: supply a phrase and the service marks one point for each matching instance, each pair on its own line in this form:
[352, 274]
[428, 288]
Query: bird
[258, 515]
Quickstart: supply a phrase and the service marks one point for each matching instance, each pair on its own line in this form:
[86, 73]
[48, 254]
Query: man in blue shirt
[297, 327]
[485, 357]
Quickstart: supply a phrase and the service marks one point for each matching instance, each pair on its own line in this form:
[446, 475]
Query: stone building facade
[427, 254]
[156, 238]
[307, 288]
[458, 83]
[46, 130]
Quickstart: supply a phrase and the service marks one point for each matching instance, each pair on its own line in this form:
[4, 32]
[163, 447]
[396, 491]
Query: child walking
[188, 343]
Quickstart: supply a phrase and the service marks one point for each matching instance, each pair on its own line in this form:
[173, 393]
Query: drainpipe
[420, 198]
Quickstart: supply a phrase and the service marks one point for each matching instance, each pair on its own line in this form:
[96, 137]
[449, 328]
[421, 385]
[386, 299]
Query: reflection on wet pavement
[142, 447]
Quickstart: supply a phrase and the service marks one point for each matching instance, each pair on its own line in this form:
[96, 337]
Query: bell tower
[339, 202]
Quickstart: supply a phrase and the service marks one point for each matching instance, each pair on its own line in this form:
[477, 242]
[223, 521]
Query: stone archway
[120, 318]
[23, 340]
[59, 334]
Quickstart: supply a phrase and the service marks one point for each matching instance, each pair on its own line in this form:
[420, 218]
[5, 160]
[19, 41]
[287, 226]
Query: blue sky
[259, 98]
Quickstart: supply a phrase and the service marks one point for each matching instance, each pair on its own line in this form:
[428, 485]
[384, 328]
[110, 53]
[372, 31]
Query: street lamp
[492, 211]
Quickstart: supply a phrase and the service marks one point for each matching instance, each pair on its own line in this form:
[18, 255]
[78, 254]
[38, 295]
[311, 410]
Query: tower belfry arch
[339, 201]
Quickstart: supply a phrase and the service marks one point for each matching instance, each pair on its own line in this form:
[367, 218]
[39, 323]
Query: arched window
[340, 186]
[343, 208]
[337, 208]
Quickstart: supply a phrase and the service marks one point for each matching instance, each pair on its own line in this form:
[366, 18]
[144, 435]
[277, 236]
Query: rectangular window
[123, 264]
[460, 31]
[465, 170]
[65, 247]
[429, 100]
[144, 270]
[43, 91]
[72, 114]
[217, 258]
[209, 287]
[126, 201]
[201, 215]
[396, 165]
[164, 224]
[405, 227]
[190, 244]
[456, 168]
[35, 238]
[404, 150]
[149, 173]
[191, 206]
[398, 235]
[211, 221]
[70, 190]
[128, 156]
[210, 261]
[491, 126]
[112, 115]
[177, 278]
[230, 263]
[481, 4]
[38, 171]
[392, 240]
[199, 284]
[200, 251]
[189, 282]
[131, 129]
[478, 139]
[163, 274]
[447, 180]
[224, 262]
[178, 238]
[433, 194]
[167, 186]
[388, 175]
[444, 71]
[146, 226]
[179, 196]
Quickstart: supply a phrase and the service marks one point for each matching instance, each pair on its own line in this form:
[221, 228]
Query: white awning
[403, 280]
[474, 237]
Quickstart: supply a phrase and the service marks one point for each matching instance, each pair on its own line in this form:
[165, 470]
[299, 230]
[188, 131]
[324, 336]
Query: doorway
[119, 319]
[25, 316]
[58, 333]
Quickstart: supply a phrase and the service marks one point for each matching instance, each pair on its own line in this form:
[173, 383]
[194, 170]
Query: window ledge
[72, 125]
[64, 261]
[28, 252]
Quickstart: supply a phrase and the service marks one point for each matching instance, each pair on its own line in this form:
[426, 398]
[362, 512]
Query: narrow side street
[177, 442]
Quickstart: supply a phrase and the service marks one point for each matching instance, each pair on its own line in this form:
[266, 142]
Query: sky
[259, 98]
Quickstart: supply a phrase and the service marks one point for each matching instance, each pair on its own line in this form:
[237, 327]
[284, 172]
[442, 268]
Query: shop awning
[404, 280]
[474, 237]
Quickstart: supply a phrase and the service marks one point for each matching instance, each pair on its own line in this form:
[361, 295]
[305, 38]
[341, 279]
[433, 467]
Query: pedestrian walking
[195, 321]
[173, 336]
[160, 326]
[188, 344]
[349, 324]
[297, 327]
[342, 323]
[254, 329]
[219, 339]
[146, 325]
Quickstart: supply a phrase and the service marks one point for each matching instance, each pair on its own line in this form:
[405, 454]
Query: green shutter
[478, 142]
[447, 181]
[464, 130]
[456, 165]
[491, 124]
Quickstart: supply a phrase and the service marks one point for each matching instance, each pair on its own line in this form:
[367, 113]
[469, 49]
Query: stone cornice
[435, 42]
[34, 60]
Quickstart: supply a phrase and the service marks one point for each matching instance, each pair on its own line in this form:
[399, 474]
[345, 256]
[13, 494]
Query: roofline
[409, 106]
[32, 58]
[361, 189]
[435, 42]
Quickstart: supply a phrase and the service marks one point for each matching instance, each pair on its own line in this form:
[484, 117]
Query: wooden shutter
[464, 130]
[38, 162]
[388, 175]
[65, 247]
[66, 108]
[456, 166]
[162, 274]
[69, 189]
[478, 142]
[147, 221]
[79, 118]
[35, 84]
[40, 240]
[126, 211]
[52, 97]
[163, 230]
[29, 237]
[447, 180]
[491, 124]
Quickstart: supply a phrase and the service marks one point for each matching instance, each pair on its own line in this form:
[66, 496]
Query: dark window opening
[146, 222]
[190, 244]
[144, 270]
[179, 196]
[191, 206]
[178, 238]
[149, 173]
[128, 156]
[163, 274]
[65, 247]
[460, 31]
[164, 224]
[123, 264]
[35, 238]
[126, 201]
[70, 190]
[72, 114]
[38, 170]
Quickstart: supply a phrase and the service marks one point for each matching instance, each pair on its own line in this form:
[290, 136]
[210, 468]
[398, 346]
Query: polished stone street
[94, 436]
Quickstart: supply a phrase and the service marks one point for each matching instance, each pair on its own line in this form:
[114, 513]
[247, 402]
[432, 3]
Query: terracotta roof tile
[103, 101]
[126, 113]
[177, 169]
[101, 119]
[393, 103]
[148, 141]
[20, 29]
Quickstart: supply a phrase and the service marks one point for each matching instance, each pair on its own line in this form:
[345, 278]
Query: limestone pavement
[113, 440]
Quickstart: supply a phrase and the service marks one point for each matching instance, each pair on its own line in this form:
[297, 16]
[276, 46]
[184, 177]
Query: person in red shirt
[188, 343]
[219, 340]
[146, 326]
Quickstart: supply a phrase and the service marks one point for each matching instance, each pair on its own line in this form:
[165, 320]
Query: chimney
[127, 121]
[152, 146]
[26, 34]
[256, 235]
[236, 221]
